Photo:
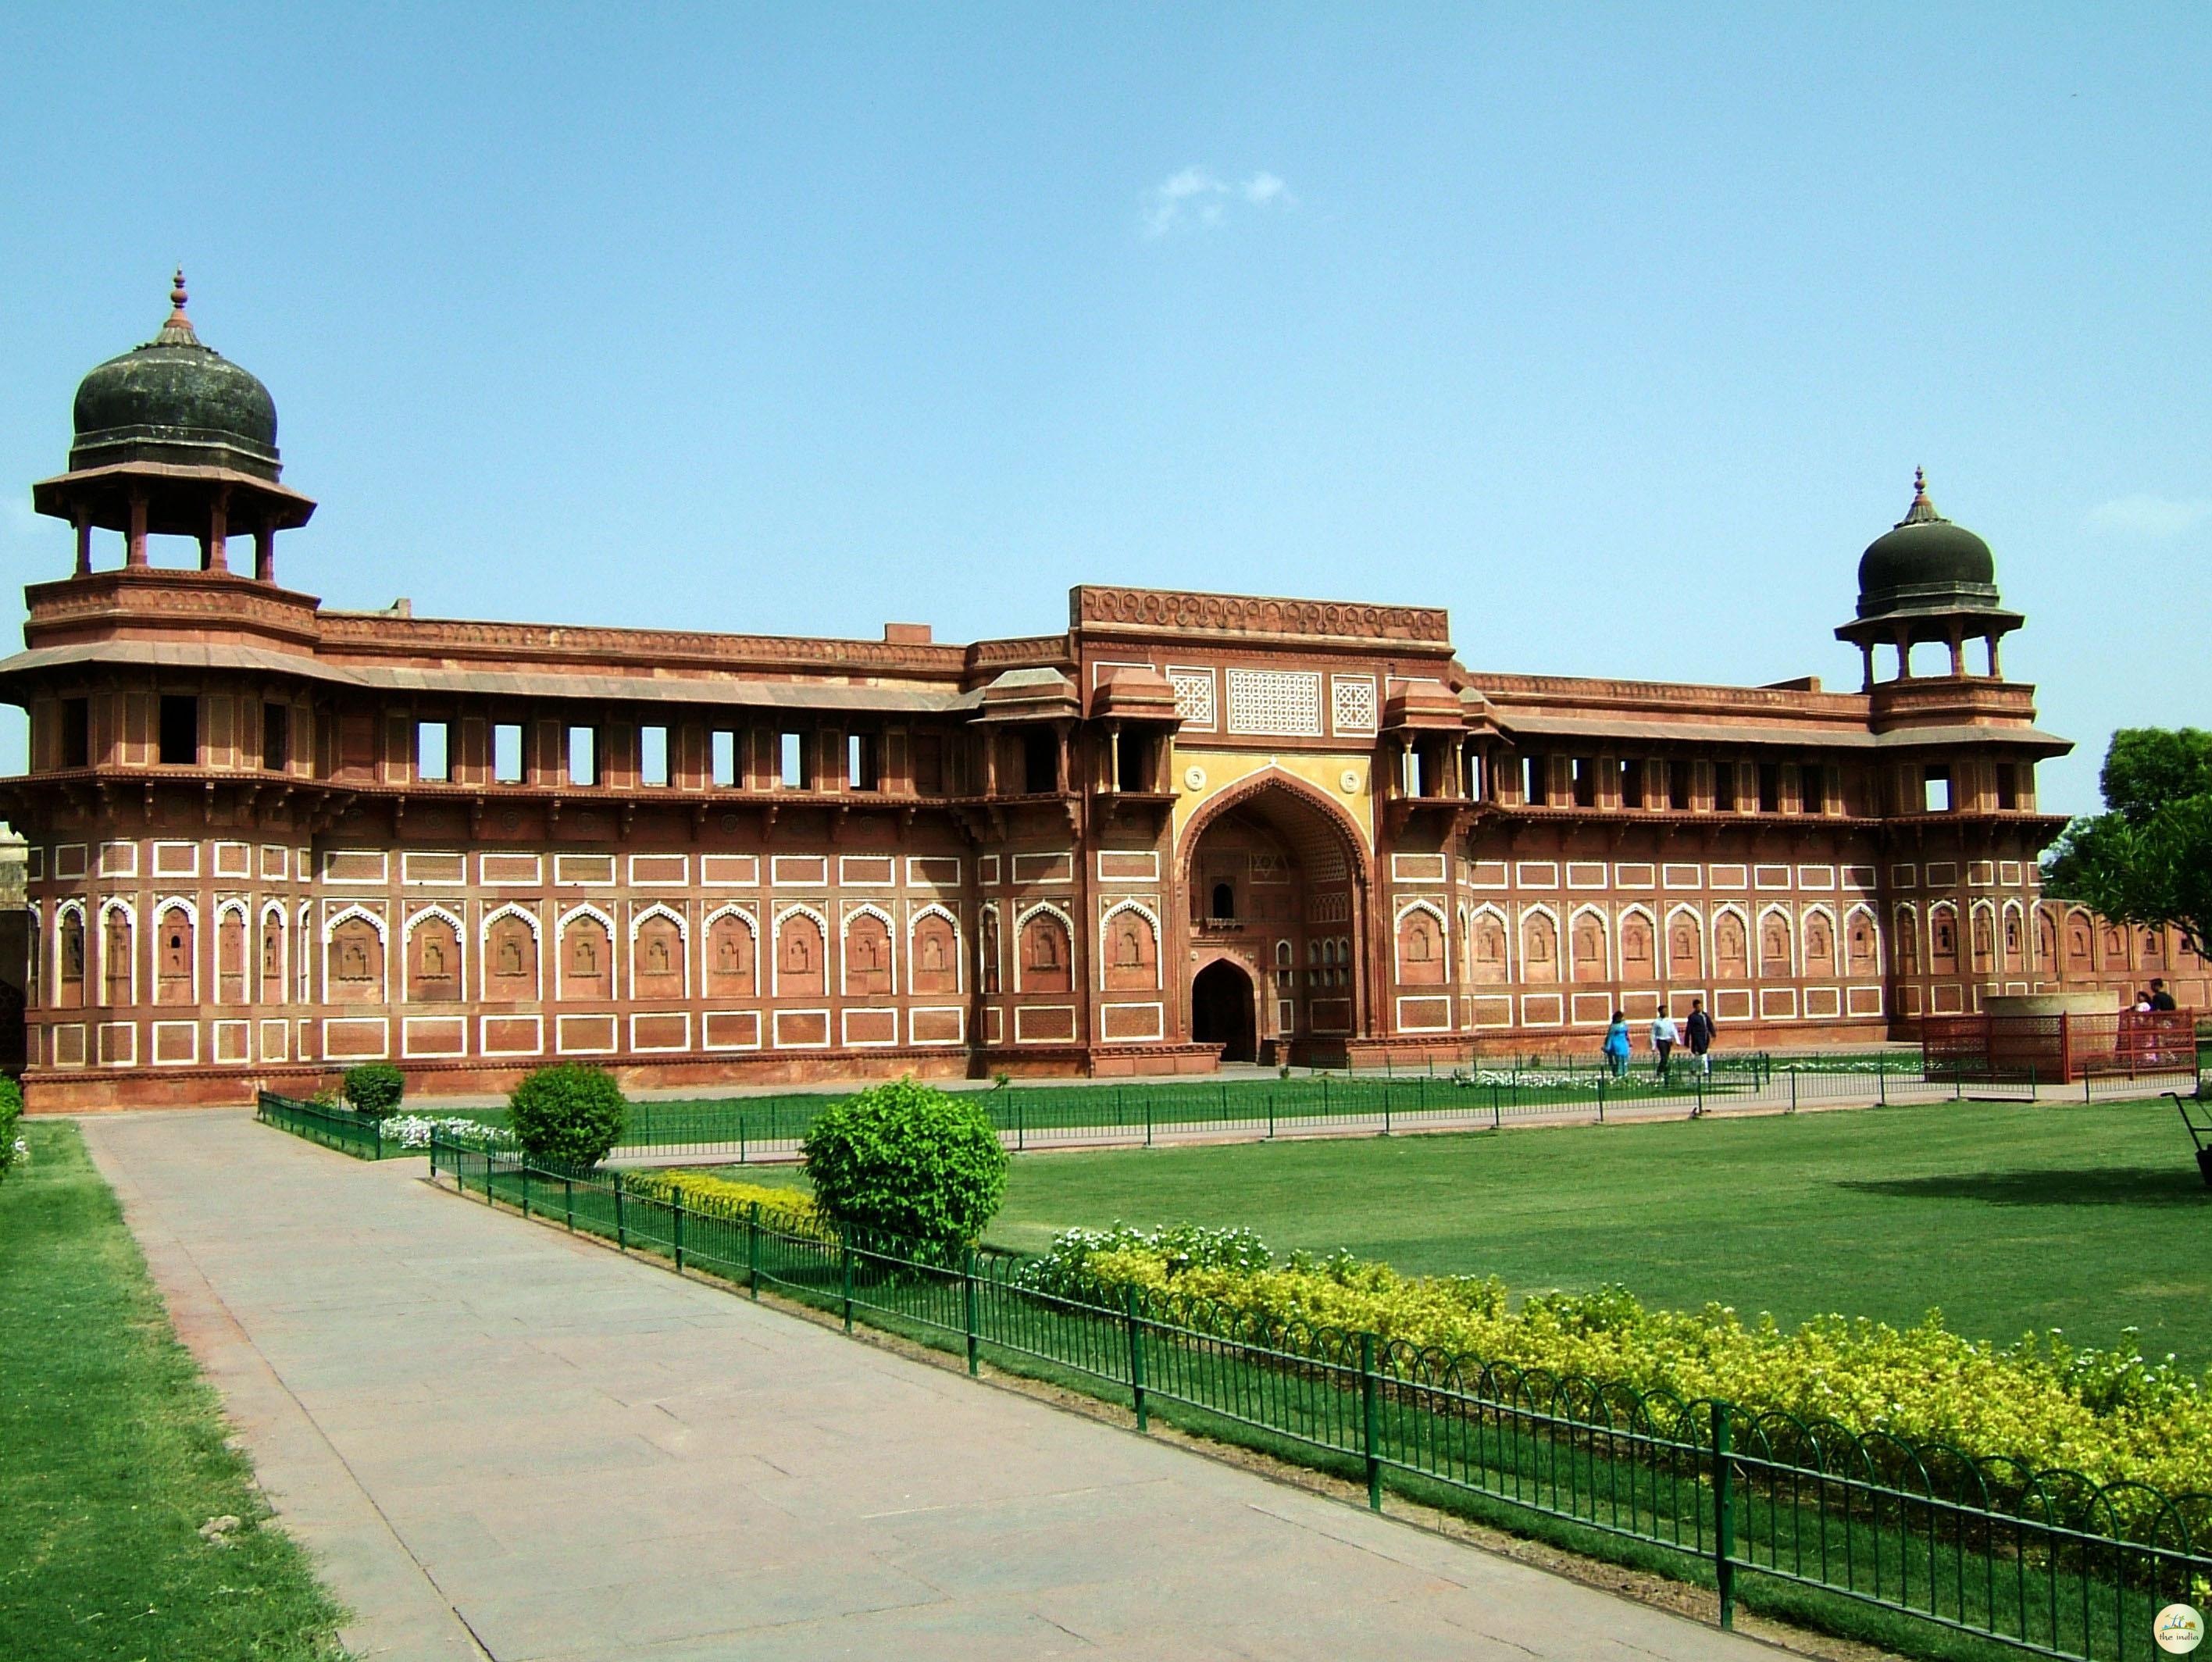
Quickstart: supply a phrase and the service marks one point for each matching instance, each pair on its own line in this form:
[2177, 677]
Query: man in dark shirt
[2159, 997]
[1698, 1030]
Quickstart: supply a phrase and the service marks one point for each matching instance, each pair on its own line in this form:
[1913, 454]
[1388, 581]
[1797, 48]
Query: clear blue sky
[1619, 330]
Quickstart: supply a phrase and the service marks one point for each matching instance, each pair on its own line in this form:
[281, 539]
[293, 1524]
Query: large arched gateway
[1276, 881]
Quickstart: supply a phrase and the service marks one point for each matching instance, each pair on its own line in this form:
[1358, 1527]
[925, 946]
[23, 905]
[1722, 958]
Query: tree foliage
[568, 1114]
[906, 1159]
[2147, 858]
[374, 1089]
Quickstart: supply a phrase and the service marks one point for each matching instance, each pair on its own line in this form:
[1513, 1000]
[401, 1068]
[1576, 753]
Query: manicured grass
[112, 1454]
[2008, 1218]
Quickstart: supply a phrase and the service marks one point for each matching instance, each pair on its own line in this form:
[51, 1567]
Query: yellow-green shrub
[787, 1209]
[2107, 1415]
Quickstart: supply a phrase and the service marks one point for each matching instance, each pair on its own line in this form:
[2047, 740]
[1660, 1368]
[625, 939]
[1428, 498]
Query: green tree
[2147, 858]
[906, 1159]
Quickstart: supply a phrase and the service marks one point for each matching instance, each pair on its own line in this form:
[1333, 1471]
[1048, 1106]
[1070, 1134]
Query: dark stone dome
[1925, 564]
[175, 401]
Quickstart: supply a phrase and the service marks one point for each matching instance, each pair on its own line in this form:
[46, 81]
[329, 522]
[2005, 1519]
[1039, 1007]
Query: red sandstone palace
[267, 840]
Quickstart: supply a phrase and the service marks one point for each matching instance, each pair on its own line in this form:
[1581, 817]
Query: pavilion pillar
[265, 553]
[1997, 669]
[1866, 652]
[214, 547]
[134, 547]
[1958, 657]
[83, 517]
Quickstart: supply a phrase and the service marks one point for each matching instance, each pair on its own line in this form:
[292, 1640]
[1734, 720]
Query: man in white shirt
[1664, 1037]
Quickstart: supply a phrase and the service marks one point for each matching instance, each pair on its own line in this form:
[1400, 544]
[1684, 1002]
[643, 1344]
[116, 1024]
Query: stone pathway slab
[507, 1442]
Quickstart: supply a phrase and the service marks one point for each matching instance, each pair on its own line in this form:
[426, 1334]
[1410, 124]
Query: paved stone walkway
[506, 1442]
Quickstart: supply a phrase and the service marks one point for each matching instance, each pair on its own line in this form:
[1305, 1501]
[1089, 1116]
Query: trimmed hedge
[786, 1210]
[374, 1090]
[2111, 1414]
[568, 1114]
[907, 1159]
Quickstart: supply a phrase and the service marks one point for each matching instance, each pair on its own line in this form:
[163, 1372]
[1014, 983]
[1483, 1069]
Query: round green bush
[374, 1089]
[908, 1160]
[568, 1114]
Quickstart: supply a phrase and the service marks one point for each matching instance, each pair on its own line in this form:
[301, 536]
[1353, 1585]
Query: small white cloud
[1198, 196]
[2150, 516]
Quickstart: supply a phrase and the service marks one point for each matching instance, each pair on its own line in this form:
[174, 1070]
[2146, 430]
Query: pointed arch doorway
[1223, 1010]
[1275, 876]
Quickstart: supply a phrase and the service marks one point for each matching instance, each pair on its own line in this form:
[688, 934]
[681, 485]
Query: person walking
[1700, 1035]
[1665, 1035]
[1616, 1044]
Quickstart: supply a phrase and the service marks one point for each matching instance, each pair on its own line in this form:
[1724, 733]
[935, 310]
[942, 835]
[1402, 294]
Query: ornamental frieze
[1231, 614]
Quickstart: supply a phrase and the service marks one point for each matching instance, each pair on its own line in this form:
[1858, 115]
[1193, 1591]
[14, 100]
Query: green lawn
[112, 1454]
[2006, 1218]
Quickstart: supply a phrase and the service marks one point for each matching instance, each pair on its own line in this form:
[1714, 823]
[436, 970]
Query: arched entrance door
[1271, 876]
[1221, 1010]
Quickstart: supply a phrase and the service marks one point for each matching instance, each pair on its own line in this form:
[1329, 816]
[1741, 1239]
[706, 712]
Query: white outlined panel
[511, 1035]
[357, 866]
[176, 1043]
[583, 871]
[730, 1030]
[1044, 1024]
[1430, 1014]
[802, 1030]
[1128, 865]
[658, 1031]
[1132, 1023]
[594, 1033]
[445, 867]
[863, 1028]
[434, 1036]
[937, 1024]
[356, 1038]
[505, 870]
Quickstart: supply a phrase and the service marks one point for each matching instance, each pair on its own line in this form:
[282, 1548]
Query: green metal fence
[334, 1128]
[2047, 1562]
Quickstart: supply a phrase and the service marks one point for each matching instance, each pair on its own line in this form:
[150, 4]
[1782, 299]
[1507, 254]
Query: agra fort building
[267, 839]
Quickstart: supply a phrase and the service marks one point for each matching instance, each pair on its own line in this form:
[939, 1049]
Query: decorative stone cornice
[1092, 606]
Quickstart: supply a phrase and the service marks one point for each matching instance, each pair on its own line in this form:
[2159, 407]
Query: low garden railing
[334, 1128]
[1814, 1519]
[1486, 1096]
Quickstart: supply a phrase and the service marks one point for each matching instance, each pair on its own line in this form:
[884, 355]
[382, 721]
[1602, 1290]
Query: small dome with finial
[173, 400]
[1924, 563]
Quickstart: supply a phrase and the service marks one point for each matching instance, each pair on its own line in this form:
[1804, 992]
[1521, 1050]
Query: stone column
[134, 547]
[1958, 657]
[83, 519]
[215, 550]
[1866, 651]
[265, 553]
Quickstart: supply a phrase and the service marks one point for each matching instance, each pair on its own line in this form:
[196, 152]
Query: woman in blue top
[1616, 1044]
